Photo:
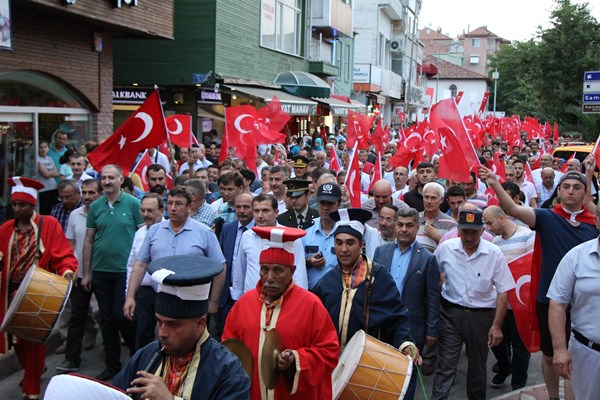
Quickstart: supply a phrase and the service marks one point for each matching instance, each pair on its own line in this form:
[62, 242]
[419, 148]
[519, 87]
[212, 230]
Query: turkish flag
[140, 169]
[484, 101]
[169, 182]
[453, 164]
[532, 127]
[445, 114]
[595, 152]
[381, 137]
[144, 129]
[377, 173]
[458, 97]
[359, 127]
[528, 175]
[407, 148]
[556, 134]
[334, 162]
[180, 130]
[492, 199]
[519, 299]
[248, 127]
[431, 143]
[475, 131]
[353, 180]
[499, 168]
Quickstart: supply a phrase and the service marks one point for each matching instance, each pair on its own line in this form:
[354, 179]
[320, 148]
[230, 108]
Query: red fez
[24, 189]
[278, 244]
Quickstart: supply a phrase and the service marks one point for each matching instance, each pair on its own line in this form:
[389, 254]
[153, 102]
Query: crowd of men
[239, 253]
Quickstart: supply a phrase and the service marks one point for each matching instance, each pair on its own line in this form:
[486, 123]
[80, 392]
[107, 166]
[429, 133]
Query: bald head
[496, 221]
[382, 193]
[546, 160]
[467, 206]
[573, 165]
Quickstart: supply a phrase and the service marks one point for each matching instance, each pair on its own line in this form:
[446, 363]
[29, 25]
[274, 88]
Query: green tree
[544, 77]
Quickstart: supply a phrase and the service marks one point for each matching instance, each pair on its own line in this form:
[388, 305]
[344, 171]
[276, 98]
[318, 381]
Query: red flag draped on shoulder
[359, 126]
[145, 128]
[353, 180]
[247, 127]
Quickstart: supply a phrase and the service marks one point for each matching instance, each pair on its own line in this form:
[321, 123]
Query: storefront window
[33, 107]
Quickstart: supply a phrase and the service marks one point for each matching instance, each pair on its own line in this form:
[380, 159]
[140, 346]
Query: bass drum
[371, 369]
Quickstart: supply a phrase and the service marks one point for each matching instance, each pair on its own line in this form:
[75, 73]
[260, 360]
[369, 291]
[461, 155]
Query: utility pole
[495, 77]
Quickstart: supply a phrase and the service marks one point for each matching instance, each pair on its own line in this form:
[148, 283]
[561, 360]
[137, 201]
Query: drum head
[73, 387]
[16, 301]
[348, 361]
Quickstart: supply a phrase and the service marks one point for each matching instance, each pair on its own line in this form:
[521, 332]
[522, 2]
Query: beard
[158, 189]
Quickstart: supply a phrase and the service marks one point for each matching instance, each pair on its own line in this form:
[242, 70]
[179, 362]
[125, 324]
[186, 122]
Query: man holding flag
[559, 230]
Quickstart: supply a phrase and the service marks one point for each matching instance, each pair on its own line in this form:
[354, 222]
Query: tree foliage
[544, 77]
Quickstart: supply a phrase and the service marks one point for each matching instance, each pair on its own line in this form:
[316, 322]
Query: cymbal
[268, 366]
[242, 352]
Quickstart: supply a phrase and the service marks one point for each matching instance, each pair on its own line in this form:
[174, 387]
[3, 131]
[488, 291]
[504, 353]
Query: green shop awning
[303, 84]
[292, 105]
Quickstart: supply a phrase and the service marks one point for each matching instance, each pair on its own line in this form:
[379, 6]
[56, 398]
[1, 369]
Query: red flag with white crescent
[519, 299]
[334, 162]
[353, 179]
[359, 126]
[484, 101]
[180, 130]
[140, 169]
[145, 128]
[377, 172]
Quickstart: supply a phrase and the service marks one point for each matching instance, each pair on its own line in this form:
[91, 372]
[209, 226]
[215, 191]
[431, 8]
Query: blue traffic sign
[591, 76]
[591, 97]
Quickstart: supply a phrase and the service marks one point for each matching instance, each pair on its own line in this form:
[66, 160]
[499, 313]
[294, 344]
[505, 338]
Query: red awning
[428, 69]
[345, 99]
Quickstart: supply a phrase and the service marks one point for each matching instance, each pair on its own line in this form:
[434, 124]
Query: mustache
[271, 286]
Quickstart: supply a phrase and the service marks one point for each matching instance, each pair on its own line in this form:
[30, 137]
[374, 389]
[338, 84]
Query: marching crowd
[422, 265]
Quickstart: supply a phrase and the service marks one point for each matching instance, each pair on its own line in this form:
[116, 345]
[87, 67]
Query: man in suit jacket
[415, 271]
[300, 215]
[229, 239]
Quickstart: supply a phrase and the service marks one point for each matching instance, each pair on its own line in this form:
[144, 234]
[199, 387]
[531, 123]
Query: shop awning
[292, 105]
[303, 84]
[338, 107]
[209, 113]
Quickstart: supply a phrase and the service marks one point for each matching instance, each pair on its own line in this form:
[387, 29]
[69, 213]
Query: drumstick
[152, 365]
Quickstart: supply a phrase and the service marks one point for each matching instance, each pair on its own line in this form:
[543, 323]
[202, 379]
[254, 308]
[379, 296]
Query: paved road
[92, 364]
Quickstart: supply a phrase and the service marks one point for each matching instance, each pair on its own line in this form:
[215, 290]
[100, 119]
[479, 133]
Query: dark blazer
[420, 289]
[288, 218]
[227, 242]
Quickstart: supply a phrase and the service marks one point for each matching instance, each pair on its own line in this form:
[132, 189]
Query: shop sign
[209, 96]
[299, 109]
[116, 3]
[130, 95]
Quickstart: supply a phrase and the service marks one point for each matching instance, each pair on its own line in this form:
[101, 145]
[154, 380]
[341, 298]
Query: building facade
[56, 71]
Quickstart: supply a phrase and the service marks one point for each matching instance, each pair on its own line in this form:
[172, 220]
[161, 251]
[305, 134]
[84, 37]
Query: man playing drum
[26, 241]
[362, 295]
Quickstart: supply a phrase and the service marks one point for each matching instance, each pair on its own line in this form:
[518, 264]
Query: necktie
[300, 219]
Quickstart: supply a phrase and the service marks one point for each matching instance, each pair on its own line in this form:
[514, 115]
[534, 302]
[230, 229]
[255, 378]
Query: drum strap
[368, 286]
[37, 241]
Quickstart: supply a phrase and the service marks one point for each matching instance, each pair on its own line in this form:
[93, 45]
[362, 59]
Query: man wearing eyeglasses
[179, 235]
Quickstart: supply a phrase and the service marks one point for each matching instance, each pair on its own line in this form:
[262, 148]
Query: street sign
[591, 98]
[591, 108]
[591, 87]
[591, 92]
[591, 76]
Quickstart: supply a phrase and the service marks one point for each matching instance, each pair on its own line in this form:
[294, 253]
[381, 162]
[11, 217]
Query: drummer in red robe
[26, 241]
[311, 348]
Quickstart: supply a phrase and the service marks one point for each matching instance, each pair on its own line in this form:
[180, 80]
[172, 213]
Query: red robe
[305, 328]
[56, 256]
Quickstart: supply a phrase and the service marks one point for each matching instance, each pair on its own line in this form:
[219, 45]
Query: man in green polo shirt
[112, 222]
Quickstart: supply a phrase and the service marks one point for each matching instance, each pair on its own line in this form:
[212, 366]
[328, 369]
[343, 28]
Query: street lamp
[495, 77]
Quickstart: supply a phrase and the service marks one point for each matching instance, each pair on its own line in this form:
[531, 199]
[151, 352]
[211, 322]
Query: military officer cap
[296, 187]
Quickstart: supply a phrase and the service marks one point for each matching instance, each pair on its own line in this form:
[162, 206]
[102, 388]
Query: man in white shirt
[159, 158]
[526, 187]
[476, 281]
[246, 268]
[81, 319]
[152, 209]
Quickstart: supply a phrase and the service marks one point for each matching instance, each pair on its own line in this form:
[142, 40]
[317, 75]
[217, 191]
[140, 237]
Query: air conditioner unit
[397, 44]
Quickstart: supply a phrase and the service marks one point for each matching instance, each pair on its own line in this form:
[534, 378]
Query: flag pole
[165, 124]
[351, 159]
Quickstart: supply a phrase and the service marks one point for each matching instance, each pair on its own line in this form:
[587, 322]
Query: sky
[509, 19]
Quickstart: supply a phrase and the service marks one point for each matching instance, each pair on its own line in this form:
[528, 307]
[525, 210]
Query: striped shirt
[521, 242]
[441, 222]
